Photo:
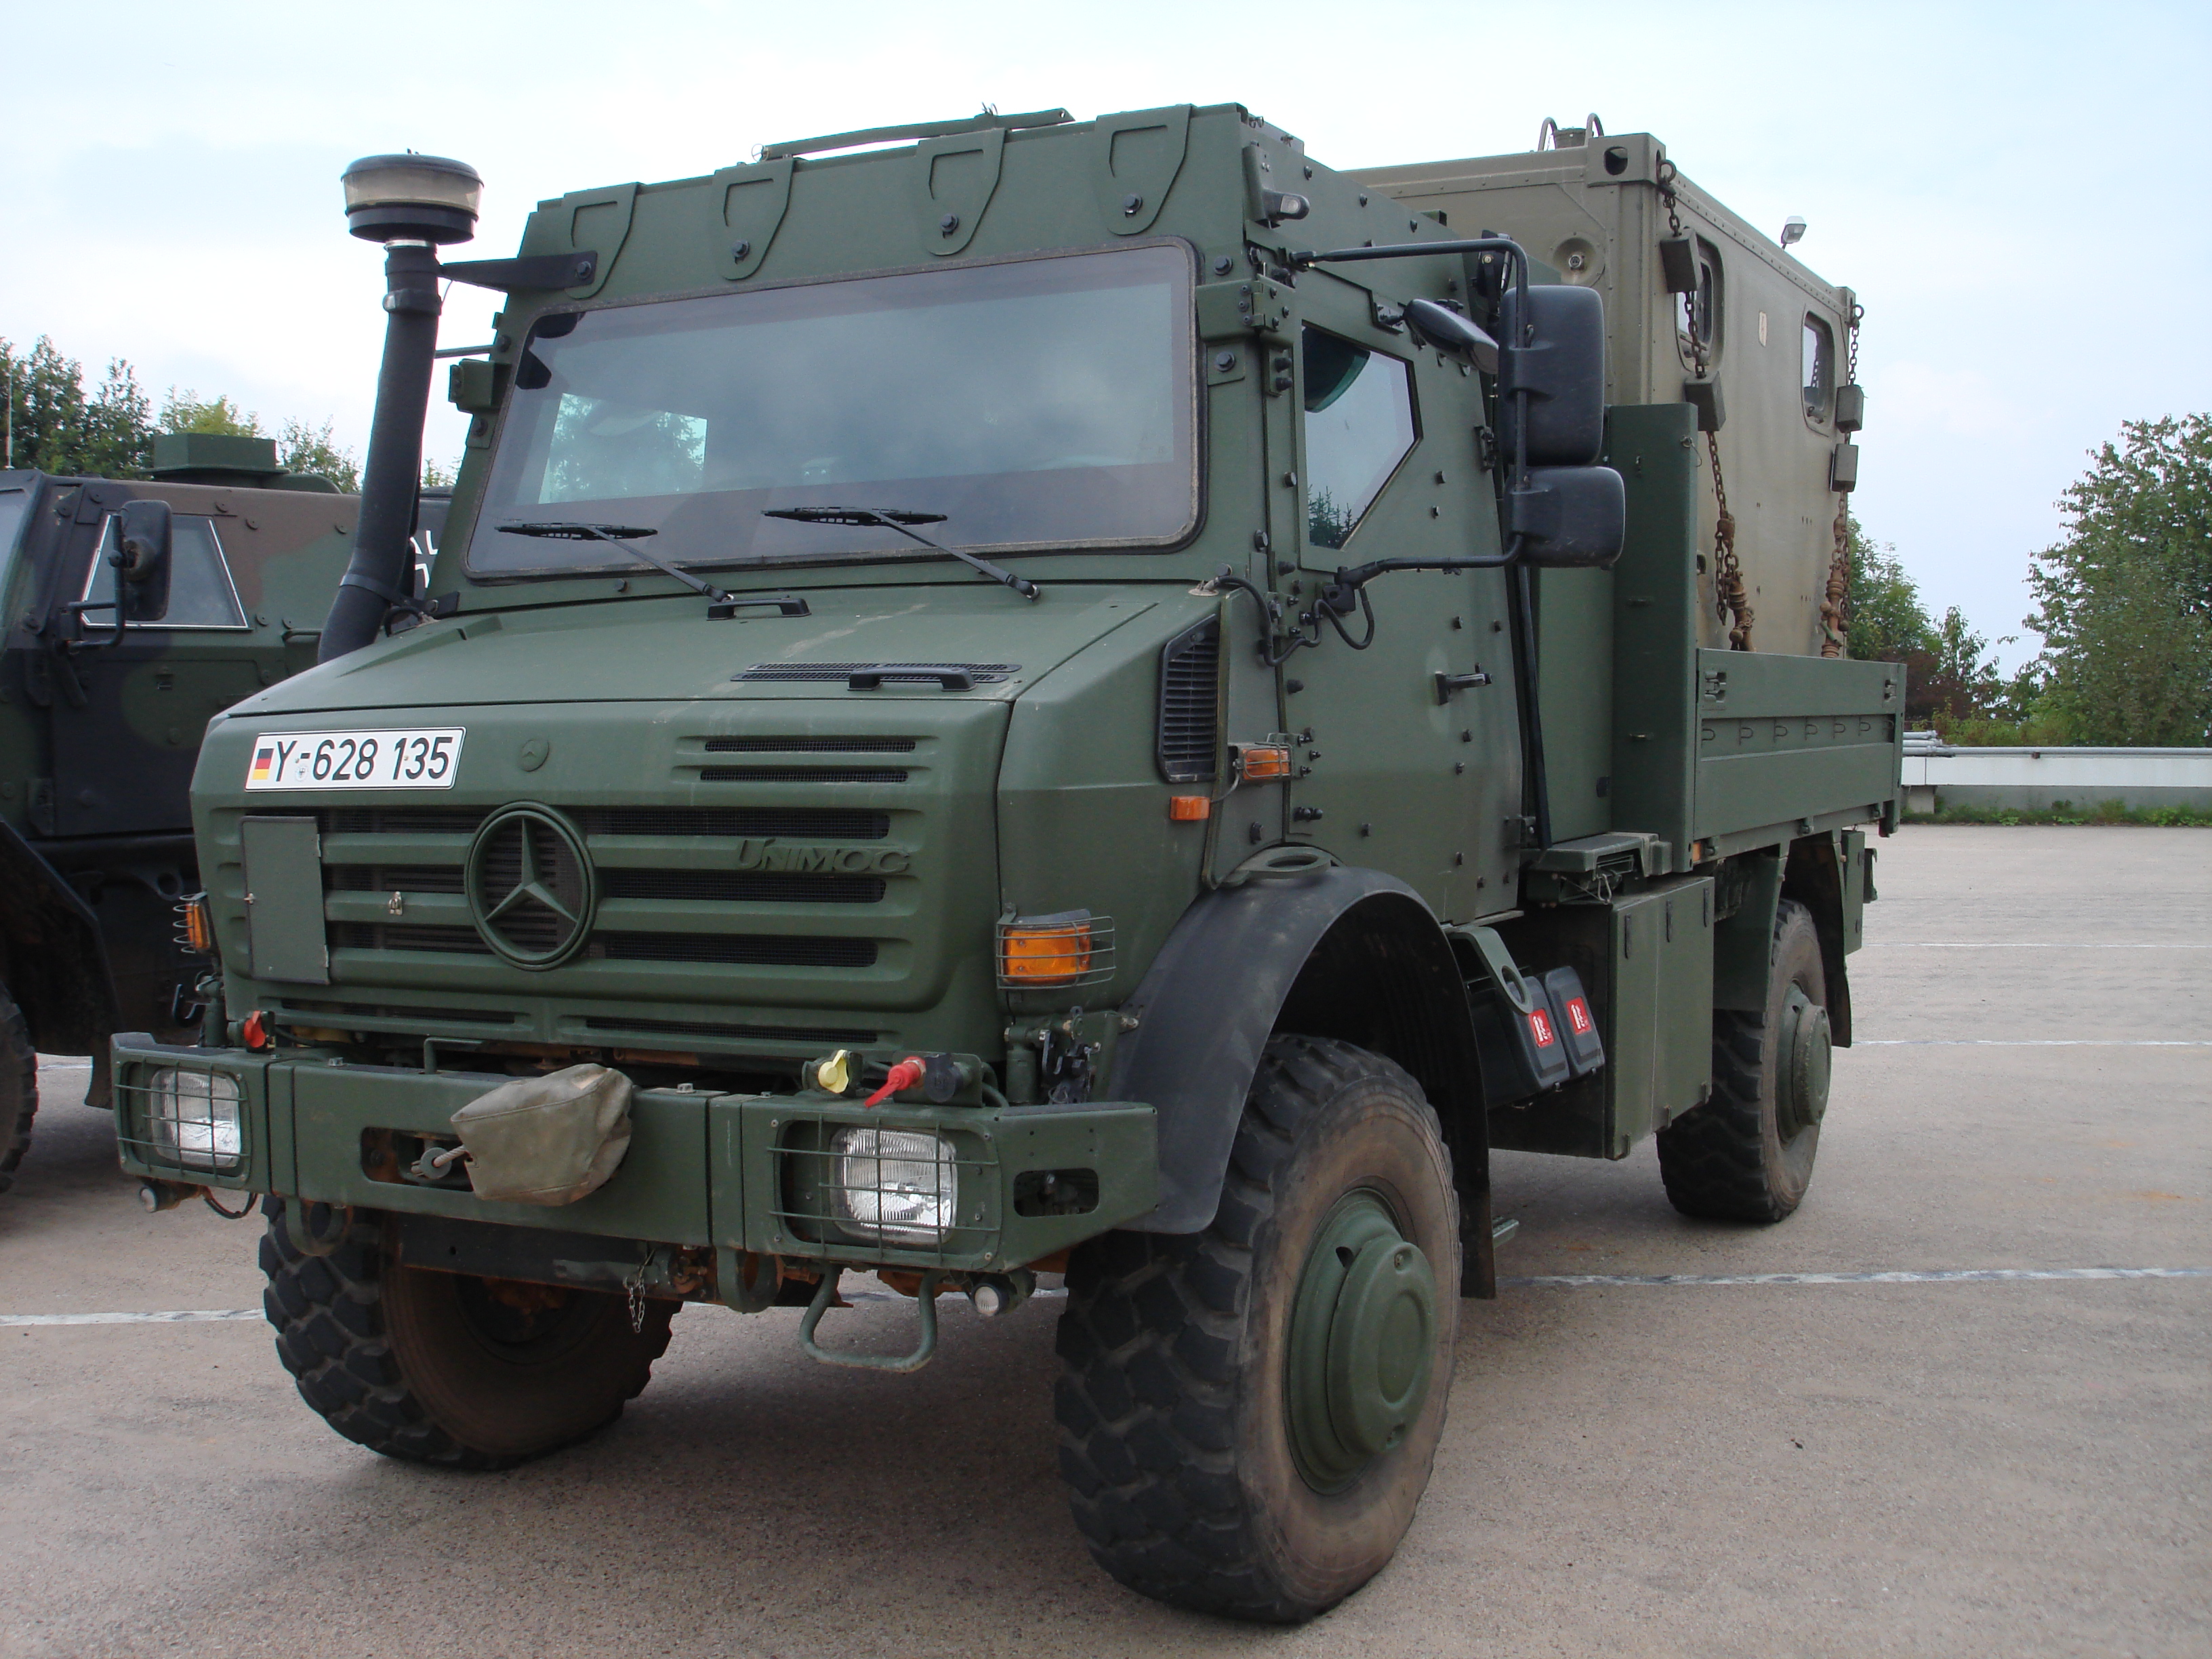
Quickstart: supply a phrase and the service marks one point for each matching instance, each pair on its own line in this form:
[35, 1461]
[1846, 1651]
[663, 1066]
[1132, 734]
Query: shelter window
[201, 593]
[1819, 376]
[1701, 315]
[1359, 425]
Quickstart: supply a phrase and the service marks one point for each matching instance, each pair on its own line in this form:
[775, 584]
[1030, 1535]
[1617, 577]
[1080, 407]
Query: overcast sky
[2018, 192]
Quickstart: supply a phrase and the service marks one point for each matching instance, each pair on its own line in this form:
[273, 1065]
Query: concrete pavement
[1941, 1467]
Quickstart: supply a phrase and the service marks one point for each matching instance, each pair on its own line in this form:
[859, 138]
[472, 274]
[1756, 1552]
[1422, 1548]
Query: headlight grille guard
[186, 1121]
[836, 1202]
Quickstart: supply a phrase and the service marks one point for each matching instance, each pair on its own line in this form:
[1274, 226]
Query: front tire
[1746, 1154]
[1249, 1415]
[447, 1368]
[19, 1089]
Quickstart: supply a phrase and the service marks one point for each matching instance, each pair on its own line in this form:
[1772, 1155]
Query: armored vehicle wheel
[19, 1089]
[1248, 1415]
[444, 1368]
[1746, 1154]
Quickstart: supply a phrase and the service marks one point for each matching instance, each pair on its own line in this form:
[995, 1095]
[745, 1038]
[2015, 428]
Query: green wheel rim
[1802, 1071]
[1362, 1343]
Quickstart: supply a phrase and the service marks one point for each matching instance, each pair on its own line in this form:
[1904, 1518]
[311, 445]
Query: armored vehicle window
[1701, 312]
[1036, 402]
[201, 592]
[13, 505]
[1359, 424]
[1820, 371]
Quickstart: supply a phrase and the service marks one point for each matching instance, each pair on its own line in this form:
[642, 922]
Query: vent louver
[1189, 725]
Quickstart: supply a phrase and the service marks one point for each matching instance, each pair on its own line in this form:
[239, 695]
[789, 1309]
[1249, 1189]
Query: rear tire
[19, 1089]
[446, 1368]
[1249, 1415]
[1746, 1154]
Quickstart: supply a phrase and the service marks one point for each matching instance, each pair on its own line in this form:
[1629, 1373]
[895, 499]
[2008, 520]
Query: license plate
[391, 759]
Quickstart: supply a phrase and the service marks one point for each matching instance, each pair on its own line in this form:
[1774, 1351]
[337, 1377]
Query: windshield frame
[1188, 347]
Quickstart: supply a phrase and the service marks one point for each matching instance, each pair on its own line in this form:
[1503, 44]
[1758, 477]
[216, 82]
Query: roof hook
[1548, 136]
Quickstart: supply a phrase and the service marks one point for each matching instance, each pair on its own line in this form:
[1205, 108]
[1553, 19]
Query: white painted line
[180, 1316]
[2025, 944]
[1945, 1276]
[2032, 1043]
[1940, 1276]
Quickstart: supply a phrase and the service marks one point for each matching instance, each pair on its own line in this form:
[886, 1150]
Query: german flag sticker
[264, 764]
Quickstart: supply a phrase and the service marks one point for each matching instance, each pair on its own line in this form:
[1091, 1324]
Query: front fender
[1222, 983]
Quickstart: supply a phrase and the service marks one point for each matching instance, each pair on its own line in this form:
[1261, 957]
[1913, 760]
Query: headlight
[894, 1186]
[195, 1118]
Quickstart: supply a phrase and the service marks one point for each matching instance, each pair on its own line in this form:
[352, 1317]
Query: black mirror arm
[1341, 593]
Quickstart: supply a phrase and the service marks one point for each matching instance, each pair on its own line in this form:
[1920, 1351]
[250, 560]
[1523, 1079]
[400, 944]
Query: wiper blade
[898, 518]
[615, 535]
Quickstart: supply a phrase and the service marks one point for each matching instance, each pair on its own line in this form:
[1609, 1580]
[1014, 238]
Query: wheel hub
[1363, 1333]
[1803, 1066]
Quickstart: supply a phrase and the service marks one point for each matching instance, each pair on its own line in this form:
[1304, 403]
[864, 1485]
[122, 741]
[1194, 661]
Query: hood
[661, 649]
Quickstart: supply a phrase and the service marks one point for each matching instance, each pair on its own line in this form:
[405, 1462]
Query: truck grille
[770, 893]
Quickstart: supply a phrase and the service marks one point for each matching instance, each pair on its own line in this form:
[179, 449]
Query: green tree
[2124, 601]
[1889, 620]
[52, 423]
[187, 411]
[304, 448]
[435, 477]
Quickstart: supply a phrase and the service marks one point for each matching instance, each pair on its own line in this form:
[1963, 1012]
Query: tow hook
[825, 1296]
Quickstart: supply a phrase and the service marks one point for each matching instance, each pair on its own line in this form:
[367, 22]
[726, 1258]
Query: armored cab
[136, 611]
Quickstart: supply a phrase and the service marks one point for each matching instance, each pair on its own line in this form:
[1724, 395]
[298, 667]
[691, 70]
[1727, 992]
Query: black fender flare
[1226, 976]
[55, 959]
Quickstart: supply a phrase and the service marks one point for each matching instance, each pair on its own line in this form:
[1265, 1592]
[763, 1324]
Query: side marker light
[1189, 809]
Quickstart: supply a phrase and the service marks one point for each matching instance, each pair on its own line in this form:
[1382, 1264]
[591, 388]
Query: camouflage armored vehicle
[134, 610]
[1067, 697]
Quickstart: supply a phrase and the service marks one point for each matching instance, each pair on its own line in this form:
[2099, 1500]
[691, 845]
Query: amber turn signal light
[198, 923]
[1189, 809]
[1045, 951]
[1261, 762]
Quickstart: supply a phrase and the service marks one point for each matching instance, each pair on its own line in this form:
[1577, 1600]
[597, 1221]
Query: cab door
[1408, 757]
[143, 689]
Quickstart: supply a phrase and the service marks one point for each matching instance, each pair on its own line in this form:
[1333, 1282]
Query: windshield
[1035, 404]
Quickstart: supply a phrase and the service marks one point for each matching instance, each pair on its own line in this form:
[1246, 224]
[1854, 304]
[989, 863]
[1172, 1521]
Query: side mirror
[1568, 518]
[144, 533]
[1442, 329]
[1560, 363]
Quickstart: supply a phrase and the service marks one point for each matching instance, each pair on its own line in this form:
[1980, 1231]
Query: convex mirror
[1568, 518]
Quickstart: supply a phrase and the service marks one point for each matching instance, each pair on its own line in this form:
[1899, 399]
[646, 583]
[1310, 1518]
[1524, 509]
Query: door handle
[1448, 684]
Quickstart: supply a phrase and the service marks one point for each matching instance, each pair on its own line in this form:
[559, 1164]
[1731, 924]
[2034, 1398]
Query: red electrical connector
[904, 1075]
[254, 1030]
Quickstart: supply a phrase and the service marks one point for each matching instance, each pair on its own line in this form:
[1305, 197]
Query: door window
[201, 592]
[1359, 425]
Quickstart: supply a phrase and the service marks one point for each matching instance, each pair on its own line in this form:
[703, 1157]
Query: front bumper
[730, 1172]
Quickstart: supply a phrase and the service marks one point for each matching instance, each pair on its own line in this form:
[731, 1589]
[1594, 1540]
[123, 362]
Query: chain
[1730, 595]
[1835, 605]
[634, 1290]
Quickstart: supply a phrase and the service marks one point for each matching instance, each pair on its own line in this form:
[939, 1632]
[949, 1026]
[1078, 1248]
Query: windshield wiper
[898, 518]
[616, 535]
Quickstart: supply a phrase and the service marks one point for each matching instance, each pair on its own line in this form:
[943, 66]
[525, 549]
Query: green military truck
[1067, 697]
[134, 610]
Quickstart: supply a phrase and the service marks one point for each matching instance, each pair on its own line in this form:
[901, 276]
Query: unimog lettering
[765, 855]
[1202, 959]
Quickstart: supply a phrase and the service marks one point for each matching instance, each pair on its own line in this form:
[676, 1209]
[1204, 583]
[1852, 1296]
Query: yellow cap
[835, 1073]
